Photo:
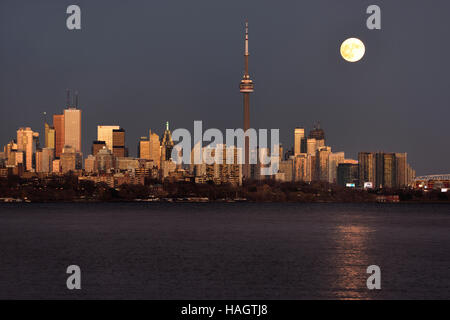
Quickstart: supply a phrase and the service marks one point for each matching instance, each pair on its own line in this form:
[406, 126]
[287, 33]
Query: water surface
[225, 251]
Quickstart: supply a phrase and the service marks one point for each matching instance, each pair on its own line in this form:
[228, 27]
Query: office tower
[58, 124]
[72, 128]
[389, 171]
[229, 170]
[155, 148]
[44, 160]
[49, 136]
[10, 152]
[26, 143]
[144, 148]
[410, 175]
[48, 154]
[309, 146]
[167, 144]
[334, 160]
[246, 87]
[118, 143]
[97, 146]
[302, 167]
[347, 173]
[317, 133]
[385, 170]
[20, 158]
[105, 161]
[70, 160]
[322, 164]
[379, 169]
[401, 165]
[287, 169]
[105, 133]
[89, 164]
[299, 135]
[367, 168]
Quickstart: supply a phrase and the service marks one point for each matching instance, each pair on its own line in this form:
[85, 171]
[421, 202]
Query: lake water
[225, 251]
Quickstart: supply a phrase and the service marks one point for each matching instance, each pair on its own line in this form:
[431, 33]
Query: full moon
[352, 49]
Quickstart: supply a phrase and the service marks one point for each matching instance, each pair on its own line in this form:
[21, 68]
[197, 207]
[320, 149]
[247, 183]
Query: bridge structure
[434, 181]
[433, 177]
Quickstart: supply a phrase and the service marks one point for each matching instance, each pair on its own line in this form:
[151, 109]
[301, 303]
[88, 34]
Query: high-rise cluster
[61, 144]
[312, 160]
[309, 160]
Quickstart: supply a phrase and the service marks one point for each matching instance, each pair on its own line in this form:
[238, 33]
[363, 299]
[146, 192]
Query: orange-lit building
[58, 124]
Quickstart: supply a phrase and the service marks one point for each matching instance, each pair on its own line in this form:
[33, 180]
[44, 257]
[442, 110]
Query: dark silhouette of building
[347, 173]
[317, 133]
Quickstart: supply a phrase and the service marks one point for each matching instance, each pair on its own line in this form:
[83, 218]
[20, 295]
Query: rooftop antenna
[68, 98]
[76, 99]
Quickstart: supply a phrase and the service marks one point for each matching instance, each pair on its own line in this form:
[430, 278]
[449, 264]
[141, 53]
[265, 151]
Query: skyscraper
[389, 170]
[334, 159]
[309, 146]
[72, 128]
[70, 160]
[386, 170]
[26, 143]
[299, 135]
[118, 139]
[246, 87]
[317, 133]
[155, 149]
[367, 168]
[105, 133]
[144, 148]
[105, 161]
[166, 144]
[303, 167]
[401, 165]
[49, 136]
[347, 173]
[322, 163]
[58, 124]
[45, 161]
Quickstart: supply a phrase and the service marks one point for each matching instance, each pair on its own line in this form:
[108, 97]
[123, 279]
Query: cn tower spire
[246, 54]
[246, 87]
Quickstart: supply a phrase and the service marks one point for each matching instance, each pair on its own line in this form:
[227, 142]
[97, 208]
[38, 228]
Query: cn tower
[246, 87]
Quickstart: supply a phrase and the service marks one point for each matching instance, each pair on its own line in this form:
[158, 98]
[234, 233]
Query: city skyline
[399, 128]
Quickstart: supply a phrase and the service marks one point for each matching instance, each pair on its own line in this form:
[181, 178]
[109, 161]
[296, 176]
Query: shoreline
[176, 201]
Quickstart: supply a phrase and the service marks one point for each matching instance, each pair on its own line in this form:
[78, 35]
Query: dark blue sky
[139, 63]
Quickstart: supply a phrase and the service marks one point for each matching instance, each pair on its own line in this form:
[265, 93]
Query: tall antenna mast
[76, 99]
[68, 98]
[246, 54]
